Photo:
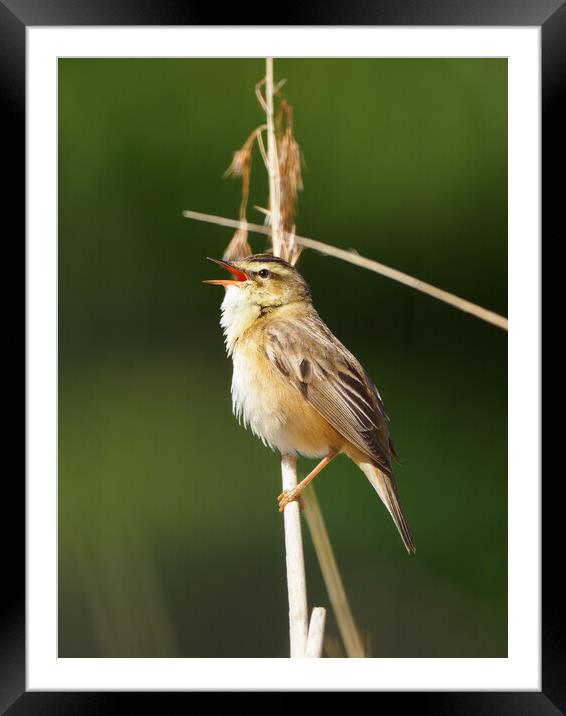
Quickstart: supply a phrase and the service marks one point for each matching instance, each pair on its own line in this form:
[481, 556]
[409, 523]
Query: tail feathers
[387, 490]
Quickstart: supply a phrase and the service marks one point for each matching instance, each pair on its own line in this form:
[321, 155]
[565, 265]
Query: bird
[296, 386]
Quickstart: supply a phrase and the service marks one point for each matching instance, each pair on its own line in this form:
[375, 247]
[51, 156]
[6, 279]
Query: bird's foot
[289, 496]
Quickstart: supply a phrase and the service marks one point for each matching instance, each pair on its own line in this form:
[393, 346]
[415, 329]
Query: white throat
[238, 314]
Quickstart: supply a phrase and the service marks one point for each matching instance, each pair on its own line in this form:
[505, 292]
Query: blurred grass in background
[170, 540]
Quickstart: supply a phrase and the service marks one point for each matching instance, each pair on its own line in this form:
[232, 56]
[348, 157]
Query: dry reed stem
[315, 638]
[289, 155]
[354, 258]
[296, 579]
[273, 163]
[332, 579]
[241, 167]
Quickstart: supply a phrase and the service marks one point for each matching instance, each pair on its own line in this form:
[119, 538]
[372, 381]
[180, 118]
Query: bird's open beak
[240, 275]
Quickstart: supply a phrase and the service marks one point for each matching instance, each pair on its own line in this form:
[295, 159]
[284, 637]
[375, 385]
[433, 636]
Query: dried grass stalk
[331, 575]
[273, 166]
[291, 181]
[241, 166]
[315, 638]
[353, 257]
[283, 162]
[239, 247]
[296, 579]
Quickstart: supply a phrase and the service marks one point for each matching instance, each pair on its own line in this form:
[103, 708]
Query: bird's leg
[290, 495]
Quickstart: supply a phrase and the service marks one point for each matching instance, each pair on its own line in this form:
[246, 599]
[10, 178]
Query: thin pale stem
[262, 150]
[334, 586]
[296, 580]
[315, 638]
[354, 258]
[273, 162]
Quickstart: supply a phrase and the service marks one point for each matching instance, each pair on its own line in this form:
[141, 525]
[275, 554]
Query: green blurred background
[170, 543]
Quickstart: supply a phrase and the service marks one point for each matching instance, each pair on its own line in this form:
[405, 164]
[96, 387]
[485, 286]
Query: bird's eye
[264, 273]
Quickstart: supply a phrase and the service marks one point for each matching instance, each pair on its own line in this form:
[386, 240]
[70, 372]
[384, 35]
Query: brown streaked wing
[332, 381]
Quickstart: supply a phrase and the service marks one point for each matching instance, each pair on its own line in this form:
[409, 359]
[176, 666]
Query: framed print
[370, 179]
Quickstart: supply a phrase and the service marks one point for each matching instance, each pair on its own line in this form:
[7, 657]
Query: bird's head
[260, 284]
[263, 280]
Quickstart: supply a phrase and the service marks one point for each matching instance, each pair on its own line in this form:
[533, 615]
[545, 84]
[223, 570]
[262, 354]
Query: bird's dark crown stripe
[266, 259]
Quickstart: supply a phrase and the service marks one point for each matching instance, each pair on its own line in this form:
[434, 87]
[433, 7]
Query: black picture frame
[15, 16]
